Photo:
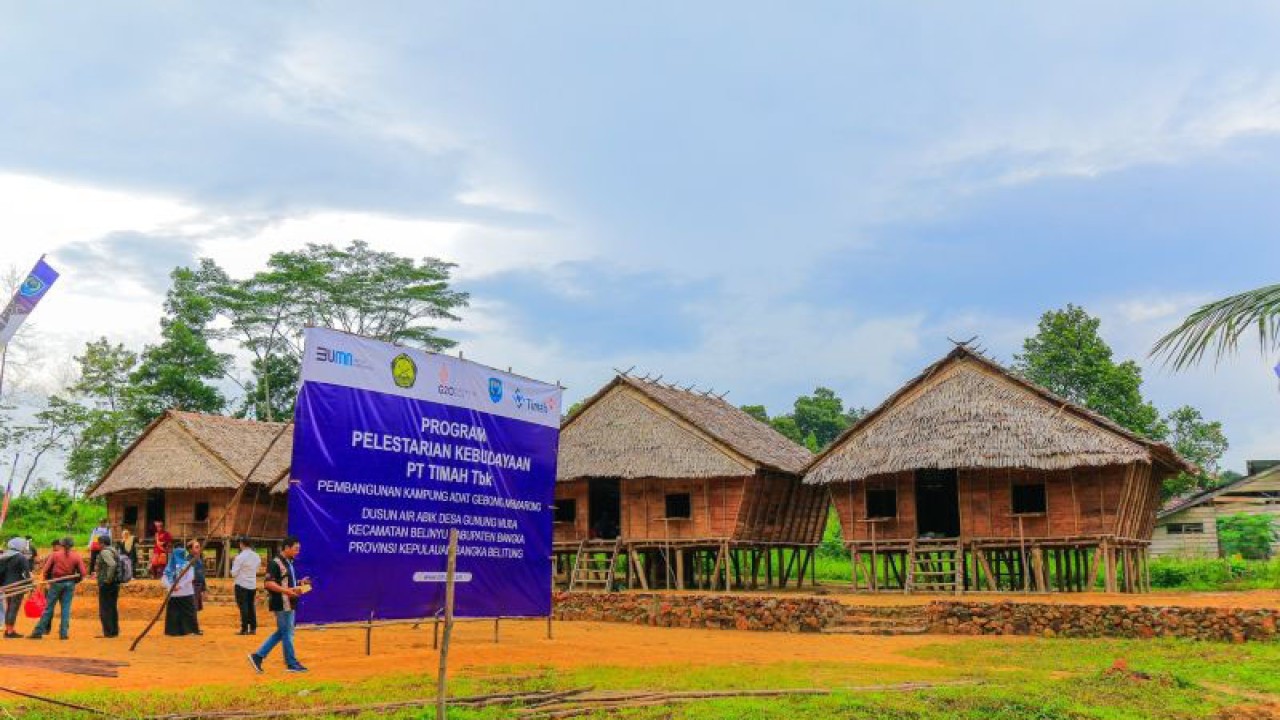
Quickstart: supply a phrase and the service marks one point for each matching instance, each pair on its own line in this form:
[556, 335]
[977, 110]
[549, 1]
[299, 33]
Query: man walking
[108, 572]
[245, 571]
[63, 570]
[283, 588]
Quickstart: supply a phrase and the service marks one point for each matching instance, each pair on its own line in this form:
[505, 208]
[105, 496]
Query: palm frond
[1216, 328]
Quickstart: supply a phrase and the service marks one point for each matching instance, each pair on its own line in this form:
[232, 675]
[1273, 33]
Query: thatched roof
[634, 428]
[183, 451]
[966, 411]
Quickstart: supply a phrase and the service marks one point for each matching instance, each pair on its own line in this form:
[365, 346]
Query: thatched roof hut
[974, 469]
[185, 451]
[653, 467]
[184, 469]
[634, 428]
[967, 411]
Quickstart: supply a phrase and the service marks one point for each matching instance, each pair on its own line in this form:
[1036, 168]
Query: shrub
[51, 514]
[1249, 536]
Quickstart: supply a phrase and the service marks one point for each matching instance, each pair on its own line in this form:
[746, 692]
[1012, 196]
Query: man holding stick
[283, 591]
[63, 571]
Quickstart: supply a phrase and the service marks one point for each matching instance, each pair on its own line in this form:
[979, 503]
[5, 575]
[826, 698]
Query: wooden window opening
[1029, 499]
[679, 506]
[566, 510]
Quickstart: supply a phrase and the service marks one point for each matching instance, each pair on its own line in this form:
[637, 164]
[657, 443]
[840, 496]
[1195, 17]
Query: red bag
[34, 606]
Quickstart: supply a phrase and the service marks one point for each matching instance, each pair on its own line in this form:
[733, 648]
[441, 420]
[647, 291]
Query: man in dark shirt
[283, 590]
[15, 567]
[107, 570]
[64, 569]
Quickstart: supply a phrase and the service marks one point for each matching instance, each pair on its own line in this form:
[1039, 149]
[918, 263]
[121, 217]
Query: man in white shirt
[244, 568]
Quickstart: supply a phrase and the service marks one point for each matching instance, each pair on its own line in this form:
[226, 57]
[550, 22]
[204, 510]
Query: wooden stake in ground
[448, 623]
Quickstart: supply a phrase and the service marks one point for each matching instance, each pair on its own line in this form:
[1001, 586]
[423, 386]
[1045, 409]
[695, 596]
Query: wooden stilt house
[659, 486]
[972, 478]
[184, 470]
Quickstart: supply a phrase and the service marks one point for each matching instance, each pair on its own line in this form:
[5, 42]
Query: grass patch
[1033, 679]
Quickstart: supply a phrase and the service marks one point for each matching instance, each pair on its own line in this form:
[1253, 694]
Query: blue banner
[36, 284]
[380, 476]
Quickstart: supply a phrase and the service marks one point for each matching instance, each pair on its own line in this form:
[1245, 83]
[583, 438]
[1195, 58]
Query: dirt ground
[218, 657]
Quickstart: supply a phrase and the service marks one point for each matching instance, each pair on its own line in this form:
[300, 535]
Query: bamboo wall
[764, 509]
[1117, 500]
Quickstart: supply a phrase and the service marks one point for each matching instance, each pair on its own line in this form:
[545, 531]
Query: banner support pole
[448, 623]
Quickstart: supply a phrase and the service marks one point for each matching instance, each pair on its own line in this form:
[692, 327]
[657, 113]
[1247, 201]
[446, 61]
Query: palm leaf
[1216, 328]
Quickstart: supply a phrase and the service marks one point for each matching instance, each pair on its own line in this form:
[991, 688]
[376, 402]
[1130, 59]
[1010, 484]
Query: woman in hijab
[180, 614]
[129, 548]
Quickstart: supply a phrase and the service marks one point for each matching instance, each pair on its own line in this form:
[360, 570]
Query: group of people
[182, 572]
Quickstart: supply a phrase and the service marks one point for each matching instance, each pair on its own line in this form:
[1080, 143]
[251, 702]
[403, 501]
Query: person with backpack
[15, 567]
[107, 570]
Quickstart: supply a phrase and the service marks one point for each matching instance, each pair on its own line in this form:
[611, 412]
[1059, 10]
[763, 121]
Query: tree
[1067, 356]
[55, 425]
[1249, 536]
[1199, 441]
[175, 373]
[108, 424]
[356, 289]
[815, 421]
[1217, 327]
[757, 411]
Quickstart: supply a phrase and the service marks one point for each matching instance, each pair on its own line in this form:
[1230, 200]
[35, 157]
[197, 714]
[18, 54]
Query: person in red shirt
[63, 570]
[160, 551]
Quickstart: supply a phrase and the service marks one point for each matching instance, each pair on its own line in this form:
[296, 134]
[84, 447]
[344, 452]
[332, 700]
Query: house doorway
[937, 504]
[155, 511]
[604, 508]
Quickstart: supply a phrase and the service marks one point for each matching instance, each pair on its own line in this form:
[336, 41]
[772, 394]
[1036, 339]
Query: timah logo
[495, 389]
[404, 371]
[337, 357]
[524, 402]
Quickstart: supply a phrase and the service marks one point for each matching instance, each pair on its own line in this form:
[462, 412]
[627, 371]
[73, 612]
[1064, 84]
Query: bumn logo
[404, 371]
[337, 357]
[495, 389]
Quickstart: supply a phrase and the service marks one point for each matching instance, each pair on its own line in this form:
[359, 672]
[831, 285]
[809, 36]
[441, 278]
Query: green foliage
[832, 538]
[51, 514]
[1249, 536]
[356, 289]
[176, 372]
[815, 420]
[1070, 358]
[1216, 328]
[1199, 441]
[106, 423]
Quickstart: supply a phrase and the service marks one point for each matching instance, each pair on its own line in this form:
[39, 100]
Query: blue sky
[754, 198]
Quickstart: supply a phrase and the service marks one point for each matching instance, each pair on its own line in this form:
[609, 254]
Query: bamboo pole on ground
[450, 571]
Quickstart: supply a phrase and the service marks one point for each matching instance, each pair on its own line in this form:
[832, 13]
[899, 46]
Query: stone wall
[718, 612]
[1138, 621]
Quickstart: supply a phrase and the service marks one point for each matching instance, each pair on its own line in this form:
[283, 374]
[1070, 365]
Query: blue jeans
[282, 636]
[61, 593]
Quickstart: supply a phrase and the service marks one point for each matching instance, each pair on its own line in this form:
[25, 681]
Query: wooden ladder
[595, 564]
[934, 566]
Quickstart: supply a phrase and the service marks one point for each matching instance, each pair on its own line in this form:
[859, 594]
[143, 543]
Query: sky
[754, 198]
